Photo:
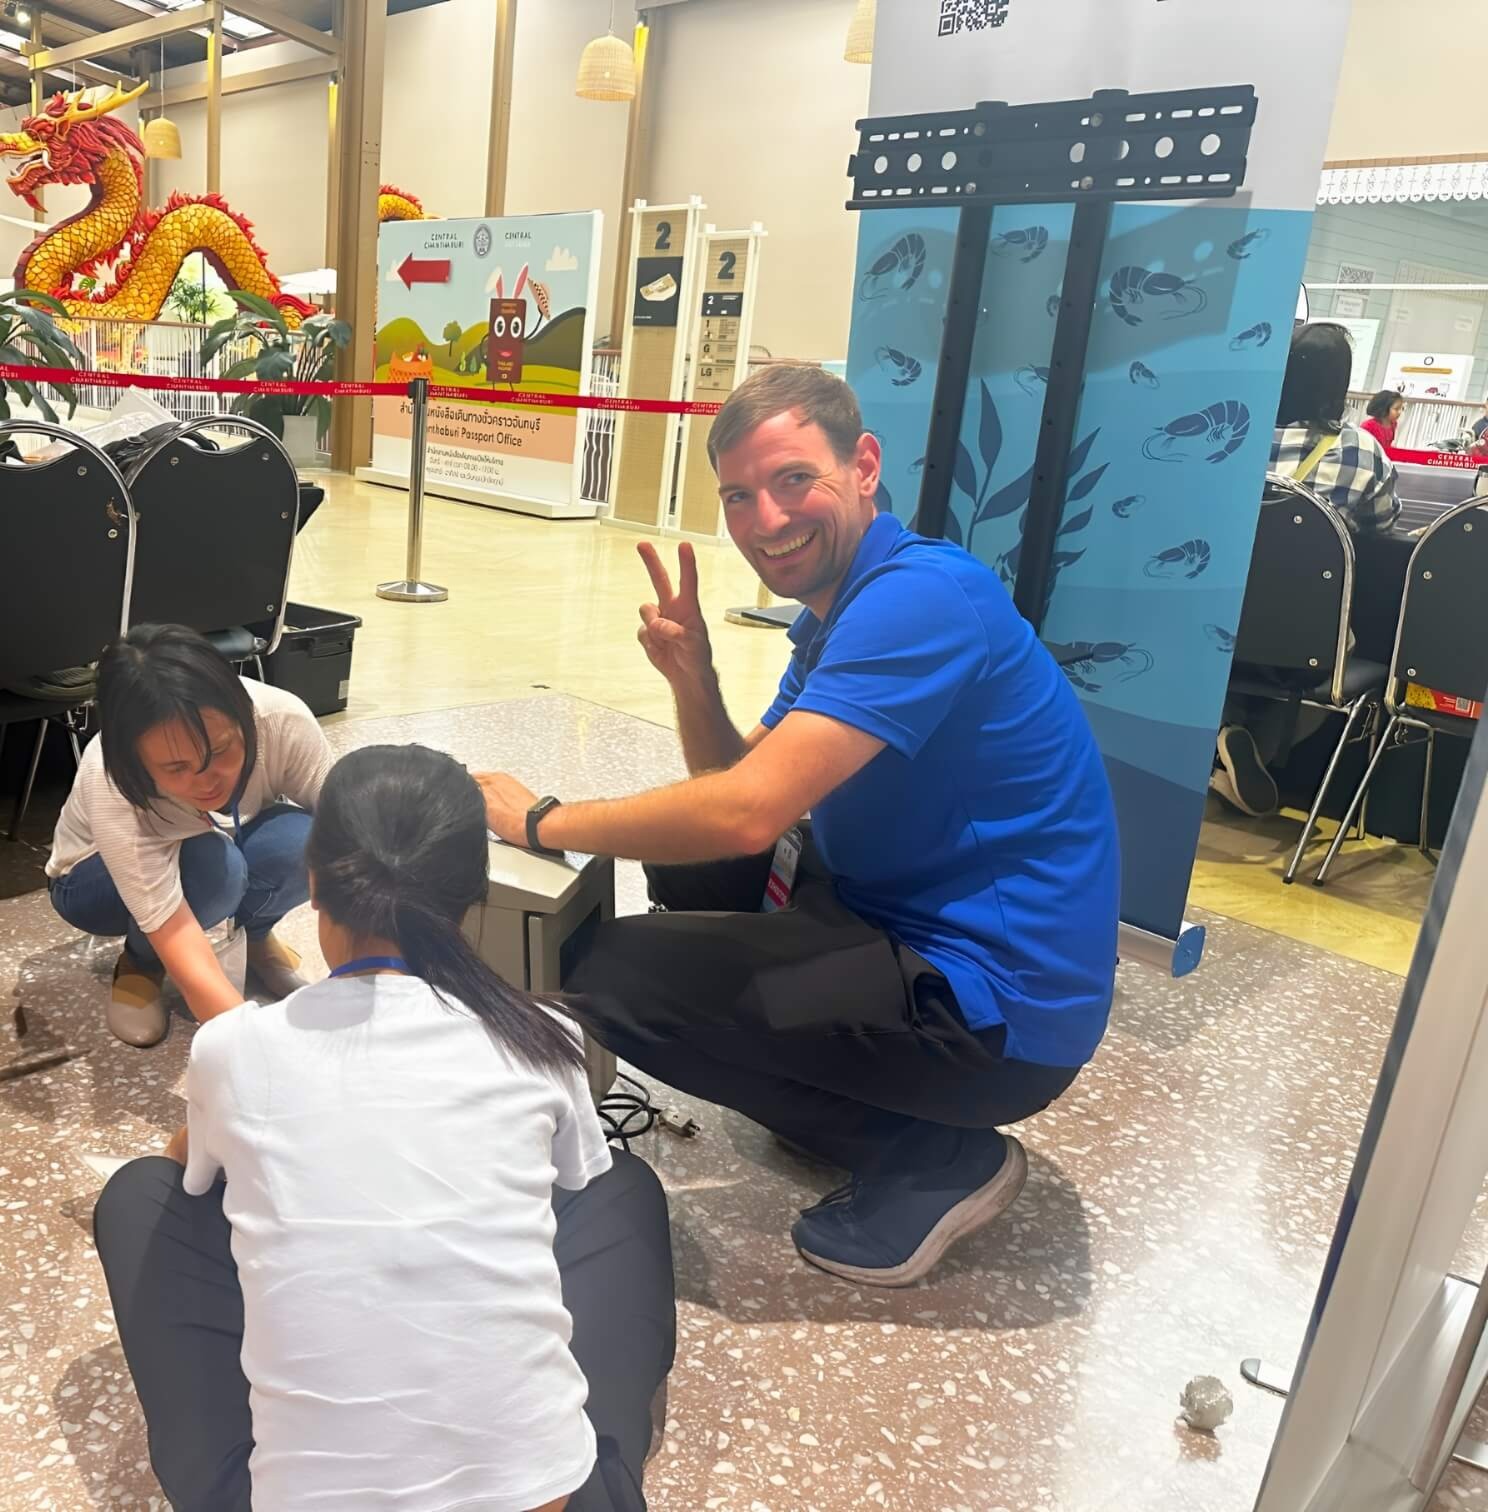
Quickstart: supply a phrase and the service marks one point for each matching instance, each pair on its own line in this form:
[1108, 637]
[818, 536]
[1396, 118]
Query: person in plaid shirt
[1358, 479]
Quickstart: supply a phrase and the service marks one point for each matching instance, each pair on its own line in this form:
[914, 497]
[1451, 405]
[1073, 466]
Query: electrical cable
[627, 1115]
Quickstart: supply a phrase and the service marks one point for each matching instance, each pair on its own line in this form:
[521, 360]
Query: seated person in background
[1347, 467]
[175, 823]
[1383, 421]
[387, 1304]
[1480, 425]
[945, 966]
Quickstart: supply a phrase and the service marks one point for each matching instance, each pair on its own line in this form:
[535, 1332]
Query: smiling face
[180, 769]
[796, 509]
[508, 340]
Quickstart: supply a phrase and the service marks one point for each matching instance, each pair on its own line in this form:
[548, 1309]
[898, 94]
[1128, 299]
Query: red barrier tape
[85, 378]
[1463, 460]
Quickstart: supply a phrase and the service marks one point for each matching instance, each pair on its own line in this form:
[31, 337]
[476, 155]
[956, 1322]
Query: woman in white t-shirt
[365, 1291]
[176, 822]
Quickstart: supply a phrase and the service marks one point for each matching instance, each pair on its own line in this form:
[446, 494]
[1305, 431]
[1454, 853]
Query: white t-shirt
[389, 1184]
[141, 847]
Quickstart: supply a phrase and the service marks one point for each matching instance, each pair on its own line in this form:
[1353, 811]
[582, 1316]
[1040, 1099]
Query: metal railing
[1425, 422]
[157, 348]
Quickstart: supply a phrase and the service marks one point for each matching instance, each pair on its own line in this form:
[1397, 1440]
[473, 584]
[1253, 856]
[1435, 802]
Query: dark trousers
[809, 1020]
[179, 1309]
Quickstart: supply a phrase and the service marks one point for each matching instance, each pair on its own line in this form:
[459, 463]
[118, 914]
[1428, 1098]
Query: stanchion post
[411, 589]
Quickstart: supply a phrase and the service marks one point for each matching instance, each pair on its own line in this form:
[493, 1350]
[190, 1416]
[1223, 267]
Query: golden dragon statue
[76, 139]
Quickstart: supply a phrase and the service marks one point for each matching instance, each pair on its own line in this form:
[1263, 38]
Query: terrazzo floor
[1178, 1209]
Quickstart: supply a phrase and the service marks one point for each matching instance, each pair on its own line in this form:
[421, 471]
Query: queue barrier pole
[411, 589]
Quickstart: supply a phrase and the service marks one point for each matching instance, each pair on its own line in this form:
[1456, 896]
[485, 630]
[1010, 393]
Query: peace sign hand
[673, 633]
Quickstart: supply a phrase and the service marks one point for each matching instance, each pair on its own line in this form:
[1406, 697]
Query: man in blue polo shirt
[932, 959]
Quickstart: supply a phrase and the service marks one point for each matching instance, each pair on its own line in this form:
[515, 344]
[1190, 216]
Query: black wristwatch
[535, 816]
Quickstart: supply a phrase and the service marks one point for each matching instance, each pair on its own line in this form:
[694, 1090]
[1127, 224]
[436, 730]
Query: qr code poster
[957, 16]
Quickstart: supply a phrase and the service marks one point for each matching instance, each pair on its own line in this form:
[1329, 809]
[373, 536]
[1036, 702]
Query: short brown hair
[818, 397]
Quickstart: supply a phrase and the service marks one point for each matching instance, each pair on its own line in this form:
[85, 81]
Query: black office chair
[67, 527]
[1294, 641]
[1441, 642]
[217, 530]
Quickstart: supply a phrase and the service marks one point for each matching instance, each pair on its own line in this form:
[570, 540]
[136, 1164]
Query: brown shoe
[276, 967]
[136, 1011]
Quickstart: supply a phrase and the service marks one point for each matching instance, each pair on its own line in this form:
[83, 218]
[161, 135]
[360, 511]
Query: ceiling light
[607, 68]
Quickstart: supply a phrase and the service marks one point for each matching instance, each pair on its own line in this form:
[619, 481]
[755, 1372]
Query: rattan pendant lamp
[859, 47]
[162, 137]
[607, 68]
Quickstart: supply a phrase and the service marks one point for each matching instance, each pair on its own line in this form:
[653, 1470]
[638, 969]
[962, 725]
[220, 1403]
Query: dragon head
[68, 140]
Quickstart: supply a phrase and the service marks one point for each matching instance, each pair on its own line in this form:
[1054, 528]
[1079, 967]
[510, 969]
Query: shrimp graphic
[1253, 339]
[1132, 289]
[1026, 245]
[1245, 245]
[1125, 508]
[897, 271]
[1223, 426]
[901, 369]
[1194, 555]
[1141, 373]
[1224, 640]
[1053, 303]
[1078, 660]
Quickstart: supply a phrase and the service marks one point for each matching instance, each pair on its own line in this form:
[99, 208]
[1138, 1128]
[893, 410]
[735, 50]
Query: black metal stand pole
[963, 306]
[1092, 224]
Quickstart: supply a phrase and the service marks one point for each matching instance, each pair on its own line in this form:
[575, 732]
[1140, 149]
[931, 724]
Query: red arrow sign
[414, 270]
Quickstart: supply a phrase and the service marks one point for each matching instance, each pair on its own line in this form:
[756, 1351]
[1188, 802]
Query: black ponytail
[398, 851]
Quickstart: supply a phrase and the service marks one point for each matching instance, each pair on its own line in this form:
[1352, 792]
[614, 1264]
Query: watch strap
[535, 816]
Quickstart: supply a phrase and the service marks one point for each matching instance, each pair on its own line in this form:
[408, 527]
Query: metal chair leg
[1357, 799]
[1290, 875]
[77, 750]
[24, 802]
[1423, 842]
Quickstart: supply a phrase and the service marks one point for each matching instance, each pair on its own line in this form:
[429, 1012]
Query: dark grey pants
[811, 1020]
[176, 1299]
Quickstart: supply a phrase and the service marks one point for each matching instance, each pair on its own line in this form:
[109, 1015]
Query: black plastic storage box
[314, 656]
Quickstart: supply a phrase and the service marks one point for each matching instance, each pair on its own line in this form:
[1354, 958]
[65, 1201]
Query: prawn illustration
[1025, 245]
[1078, 660]
[902, 370]
[897, 271]
[1253, 339]
[1193, 555]
[1174, 297]
[1223, 639]
[1242, 248]
[1141, 373]
[1223, 426]
[1123, 509]
[1030, 378]
[1053, 303]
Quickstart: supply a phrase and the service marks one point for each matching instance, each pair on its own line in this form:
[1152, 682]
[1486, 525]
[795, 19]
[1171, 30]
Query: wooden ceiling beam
[122, 38]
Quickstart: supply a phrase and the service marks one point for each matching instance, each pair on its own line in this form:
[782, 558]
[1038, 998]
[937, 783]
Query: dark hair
[159, 673]
[1315, 390]
[398, 852]
[820, 397]
[1383, 402]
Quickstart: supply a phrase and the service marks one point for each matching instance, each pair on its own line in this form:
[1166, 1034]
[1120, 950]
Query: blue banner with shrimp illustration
[1173, 435]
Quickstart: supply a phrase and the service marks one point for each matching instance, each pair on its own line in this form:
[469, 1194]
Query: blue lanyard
[372, 963]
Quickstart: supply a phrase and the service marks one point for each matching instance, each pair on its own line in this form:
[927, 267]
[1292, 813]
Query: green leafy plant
[452, 333]
[279, 355]
[190, 300]
[30, 337]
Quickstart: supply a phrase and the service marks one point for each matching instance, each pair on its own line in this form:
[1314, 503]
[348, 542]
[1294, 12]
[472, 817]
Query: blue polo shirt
[983, 836]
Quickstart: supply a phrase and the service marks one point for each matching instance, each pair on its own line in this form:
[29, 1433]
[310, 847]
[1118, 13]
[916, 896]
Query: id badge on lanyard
[782, 883]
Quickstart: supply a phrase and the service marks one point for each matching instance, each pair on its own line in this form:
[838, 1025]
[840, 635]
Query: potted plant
[29, 337]
[307, 355]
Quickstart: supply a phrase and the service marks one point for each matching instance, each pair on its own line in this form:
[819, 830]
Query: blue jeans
[255, 880]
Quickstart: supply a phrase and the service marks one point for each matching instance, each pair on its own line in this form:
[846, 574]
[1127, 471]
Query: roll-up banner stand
[729, 262]
[1157, 300]
[653, 365]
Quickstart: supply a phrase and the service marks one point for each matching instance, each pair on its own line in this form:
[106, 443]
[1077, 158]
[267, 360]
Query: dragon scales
[77, 140]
